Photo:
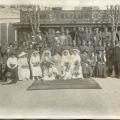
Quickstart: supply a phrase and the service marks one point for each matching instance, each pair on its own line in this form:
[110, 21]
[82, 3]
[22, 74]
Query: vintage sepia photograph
[60, 59]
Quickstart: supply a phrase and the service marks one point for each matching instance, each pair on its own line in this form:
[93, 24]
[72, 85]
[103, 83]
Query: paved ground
[16, 101]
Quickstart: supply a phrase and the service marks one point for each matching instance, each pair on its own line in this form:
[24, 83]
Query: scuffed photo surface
[60, 59]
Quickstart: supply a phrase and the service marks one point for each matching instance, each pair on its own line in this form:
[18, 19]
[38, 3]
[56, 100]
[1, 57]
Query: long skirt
[23, 73]
[36, 71]
[67, 75]
[77, 73]
[48, 78]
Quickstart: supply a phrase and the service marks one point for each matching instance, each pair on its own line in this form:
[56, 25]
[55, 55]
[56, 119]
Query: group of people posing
[62, 55]
[26, 66]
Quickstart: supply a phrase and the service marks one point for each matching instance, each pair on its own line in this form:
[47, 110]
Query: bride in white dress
[76, 68]
[66, 65]
[48, 68]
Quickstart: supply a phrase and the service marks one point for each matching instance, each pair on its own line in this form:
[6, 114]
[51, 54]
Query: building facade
[8, 16]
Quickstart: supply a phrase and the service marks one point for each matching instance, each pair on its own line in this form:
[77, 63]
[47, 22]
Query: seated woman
[66, 65]
[35, 65]
[48, 69]
[56, 58]
[11, 73]
[76, 68]
[23, 66]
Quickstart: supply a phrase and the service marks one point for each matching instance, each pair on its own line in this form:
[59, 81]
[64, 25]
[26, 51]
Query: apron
[23, 69]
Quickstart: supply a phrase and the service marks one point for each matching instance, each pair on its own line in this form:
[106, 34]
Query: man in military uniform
[49, 39]
[69, 38]
[73, 35]
[63, 39]
[80, 36]
[23, 47]
[89, 35]
[86, 64]
[97, 37]
[39, 36]
[99, 47]
[90, 48]
[83, 47]
[106, 36]
[57, 43]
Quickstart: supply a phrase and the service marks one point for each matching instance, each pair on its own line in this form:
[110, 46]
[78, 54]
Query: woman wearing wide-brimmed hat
[23, 66]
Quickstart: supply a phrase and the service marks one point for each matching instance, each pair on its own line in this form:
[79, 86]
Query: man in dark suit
[116, 59]
[109, 56]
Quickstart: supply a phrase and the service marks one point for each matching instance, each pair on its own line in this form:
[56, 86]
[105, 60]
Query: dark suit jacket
[116, 54]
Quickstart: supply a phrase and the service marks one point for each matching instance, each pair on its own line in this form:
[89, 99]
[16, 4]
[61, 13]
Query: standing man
[106, 37]
[69, 38]
[63, 39]
[97, 37]
[109, 57]
[73, 36]
[116, 59]
[57, 43]
[80, 36]
[83, 47]
[0, 64]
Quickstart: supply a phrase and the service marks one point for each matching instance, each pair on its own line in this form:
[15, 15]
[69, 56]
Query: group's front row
[45, 67]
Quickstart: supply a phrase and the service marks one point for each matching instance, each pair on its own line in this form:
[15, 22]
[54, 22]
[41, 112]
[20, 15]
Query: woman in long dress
[35, 65]
[57, 62]
[66, 65]
[23, 66]
[76, 68]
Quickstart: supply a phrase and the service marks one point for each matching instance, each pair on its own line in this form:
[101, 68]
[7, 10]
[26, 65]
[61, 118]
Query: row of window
[65, 15]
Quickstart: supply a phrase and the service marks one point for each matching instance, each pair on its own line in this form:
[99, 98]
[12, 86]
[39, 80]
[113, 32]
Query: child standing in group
[35, 65]
[101, 64]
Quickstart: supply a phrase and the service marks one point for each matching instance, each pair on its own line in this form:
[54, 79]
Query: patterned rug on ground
[86, 83]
